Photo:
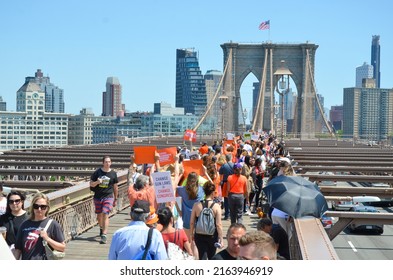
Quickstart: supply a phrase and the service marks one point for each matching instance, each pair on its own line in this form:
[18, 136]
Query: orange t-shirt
[147, 193]
[203, 150]
[237, 184]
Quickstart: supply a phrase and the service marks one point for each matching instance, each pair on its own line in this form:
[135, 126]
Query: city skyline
[80, 45]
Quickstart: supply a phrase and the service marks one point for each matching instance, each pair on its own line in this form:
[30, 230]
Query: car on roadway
[345, 205]
[327, 182]
[380, 185]
[355, 227]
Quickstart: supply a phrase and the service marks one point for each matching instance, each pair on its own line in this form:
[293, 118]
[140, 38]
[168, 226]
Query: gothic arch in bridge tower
[263, 60]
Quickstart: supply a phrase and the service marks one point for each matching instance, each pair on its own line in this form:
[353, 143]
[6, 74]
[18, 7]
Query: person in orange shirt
[237, 186]
[204, 149]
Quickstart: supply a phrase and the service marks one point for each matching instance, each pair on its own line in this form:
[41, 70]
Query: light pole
[245, 118]
[280, 73]
[223, 105]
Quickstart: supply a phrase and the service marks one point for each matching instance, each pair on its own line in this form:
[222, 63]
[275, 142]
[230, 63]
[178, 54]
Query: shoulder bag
[50, 253]
[144, 254]
[174, 251]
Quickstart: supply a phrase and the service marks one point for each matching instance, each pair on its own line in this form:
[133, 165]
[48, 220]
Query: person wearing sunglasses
[32, 232]
[14, 216]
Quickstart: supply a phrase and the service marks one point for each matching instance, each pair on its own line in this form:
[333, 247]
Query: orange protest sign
[193, 166]
[167, 155]
[144, 154]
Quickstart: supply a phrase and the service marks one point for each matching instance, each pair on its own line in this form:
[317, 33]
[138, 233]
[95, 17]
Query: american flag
[264, 25]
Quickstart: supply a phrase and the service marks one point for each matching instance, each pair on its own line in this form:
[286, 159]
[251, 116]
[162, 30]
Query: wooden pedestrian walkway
[87, 245]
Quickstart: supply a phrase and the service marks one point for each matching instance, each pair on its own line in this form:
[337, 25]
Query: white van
[380, 185]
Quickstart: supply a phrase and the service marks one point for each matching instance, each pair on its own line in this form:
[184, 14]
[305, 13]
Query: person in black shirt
[279, 235]
[235, 231]
[103, 183]
[14, 216]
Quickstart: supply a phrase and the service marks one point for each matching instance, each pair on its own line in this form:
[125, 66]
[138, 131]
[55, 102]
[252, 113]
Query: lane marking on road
[353, 247]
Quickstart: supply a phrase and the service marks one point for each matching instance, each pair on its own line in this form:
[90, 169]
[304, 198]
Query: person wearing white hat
[285, 167]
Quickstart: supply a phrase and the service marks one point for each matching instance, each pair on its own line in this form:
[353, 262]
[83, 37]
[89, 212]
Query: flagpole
[269, 30]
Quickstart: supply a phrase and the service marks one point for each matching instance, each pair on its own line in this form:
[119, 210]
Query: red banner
[190, 135]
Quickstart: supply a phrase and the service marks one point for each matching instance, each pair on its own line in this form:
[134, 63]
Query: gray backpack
[206, 224]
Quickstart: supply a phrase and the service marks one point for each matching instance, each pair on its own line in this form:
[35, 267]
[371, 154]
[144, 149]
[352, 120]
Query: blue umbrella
[295, 196]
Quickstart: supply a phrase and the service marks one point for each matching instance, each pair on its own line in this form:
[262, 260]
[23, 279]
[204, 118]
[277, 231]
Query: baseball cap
[153, 217]
[141, 206]
[238, 165]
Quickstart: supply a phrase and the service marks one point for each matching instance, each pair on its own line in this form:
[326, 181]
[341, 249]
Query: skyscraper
[366, 71]
[212, 80]
[3, 104]
[54, 96]
[375, 59]
[190, 84]
[367, 112]
[336, 116]
[111, 98]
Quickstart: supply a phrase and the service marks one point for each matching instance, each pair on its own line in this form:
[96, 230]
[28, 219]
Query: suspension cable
[216, 93]
[321, 111]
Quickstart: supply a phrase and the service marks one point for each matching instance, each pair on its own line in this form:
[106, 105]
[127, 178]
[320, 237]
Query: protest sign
[195, 165]
[167, 155]
[163, 187]
[144, 154]
[246, 136]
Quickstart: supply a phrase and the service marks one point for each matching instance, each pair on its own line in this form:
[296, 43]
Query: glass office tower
[375, 60]
[190, 83]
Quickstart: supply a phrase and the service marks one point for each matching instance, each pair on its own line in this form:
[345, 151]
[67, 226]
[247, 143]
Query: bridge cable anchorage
[215, 94]
[321, 111]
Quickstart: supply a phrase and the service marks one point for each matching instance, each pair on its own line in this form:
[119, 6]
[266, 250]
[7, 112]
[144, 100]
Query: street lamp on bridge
[280, 73]
[223, 105]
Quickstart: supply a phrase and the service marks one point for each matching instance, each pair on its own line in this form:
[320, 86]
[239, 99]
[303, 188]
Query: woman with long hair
[190, 194]
[247, 171]
[32, 232]
[14, 216]
[206, 243]
[213, 175]
[170, 233]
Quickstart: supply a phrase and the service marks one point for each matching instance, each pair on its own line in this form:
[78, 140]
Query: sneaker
[103, 239]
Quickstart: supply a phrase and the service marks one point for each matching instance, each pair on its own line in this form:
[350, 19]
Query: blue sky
[81, 43]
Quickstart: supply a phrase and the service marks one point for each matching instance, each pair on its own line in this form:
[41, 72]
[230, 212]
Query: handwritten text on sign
[163, 187]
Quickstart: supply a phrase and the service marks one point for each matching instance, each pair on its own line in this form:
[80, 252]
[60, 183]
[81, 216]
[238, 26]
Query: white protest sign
[163, 187]
[255, 137]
